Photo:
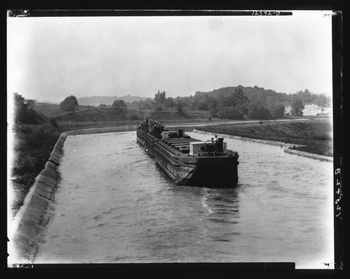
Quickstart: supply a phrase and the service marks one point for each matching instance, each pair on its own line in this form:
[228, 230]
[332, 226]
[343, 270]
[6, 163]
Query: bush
[202, 106]
[230, 113]
[169, 102]
[179, 107]
[134, 117]
[277, 111]
[69, 104]
[53, 122]
[119, 104]
[159, 108]
[297, 107]
[214, 113]
[256, 111]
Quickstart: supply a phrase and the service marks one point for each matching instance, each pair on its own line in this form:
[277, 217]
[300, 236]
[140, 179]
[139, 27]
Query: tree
[214, 113]
[212, 104]
[24, 110]
[20, 108]
[30, 104]
[170, 102]
[229, 113]
[277, 111]
[257, 111]
[297, 107]
[119, 104]
[179, 107]
[239, 101]
[202, 106]
[160, 97]
[158, 108]
[69, 104]
[236, 100]
[53, 121]
[322, 101]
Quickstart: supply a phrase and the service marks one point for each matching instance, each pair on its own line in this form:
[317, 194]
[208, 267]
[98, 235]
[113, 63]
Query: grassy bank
[316, 135]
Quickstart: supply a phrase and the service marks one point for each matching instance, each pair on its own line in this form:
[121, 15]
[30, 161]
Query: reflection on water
[114, 204]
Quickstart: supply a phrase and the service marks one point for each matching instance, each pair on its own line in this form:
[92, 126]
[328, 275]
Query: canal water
[115, 205]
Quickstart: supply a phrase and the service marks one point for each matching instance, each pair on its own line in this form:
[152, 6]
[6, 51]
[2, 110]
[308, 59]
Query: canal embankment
[25, 230]
[310, 138]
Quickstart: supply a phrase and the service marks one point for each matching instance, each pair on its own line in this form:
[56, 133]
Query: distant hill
[261, 95]
[107, 100]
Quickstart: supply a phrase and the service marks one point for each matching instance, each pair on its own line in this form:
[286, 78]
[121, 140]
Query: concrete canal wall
[29, 221]
[309, 155]
[25, 230]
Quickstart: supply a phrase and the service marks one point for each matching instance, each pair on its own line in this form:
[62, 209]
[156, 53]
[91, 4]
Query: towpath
[201, 124]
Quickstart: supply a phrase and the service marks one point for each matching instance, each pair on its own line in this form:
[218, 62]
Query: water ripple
[114, 204]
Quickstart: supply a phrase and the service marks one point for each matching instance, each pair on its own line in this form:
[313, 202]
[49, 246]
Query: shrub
[297, 107]
[256, 111]
[119, 104]
[230, 113]
[158, 108]
[53, 122]
[170, 102]
[134, 117]
[69, 104]
[277, 111]
[179, 107]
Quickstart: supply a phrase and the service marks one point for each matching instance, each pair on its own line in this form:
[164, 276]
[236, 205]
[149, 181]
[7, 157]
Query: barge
[189, 161]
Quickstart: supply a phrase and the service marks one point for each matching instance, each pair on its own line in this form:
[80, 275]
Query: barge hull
[220, 173]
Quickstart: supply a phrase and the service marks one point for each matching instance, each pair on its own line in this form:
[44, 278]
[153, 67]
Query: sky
[51, 58]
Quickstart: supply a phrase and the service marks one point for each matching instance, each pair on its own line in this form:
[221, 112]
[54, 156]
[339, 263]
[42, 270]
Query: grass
[316, 135]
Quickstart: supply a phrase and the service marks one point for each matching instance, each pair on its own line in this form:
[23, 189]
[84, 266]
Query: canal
[115, 205]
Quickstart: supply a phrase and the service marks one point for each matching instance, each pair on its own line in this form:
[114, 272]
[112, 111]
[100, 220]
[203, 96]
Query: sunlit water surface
[115, 205]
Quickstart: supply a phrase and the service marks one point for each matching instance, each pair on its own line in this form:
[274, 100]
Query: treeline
[159, 102]
[227, 102]
[236, 102]
[24, 111]
[255, 102]
[106, 100]
[261, 95]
